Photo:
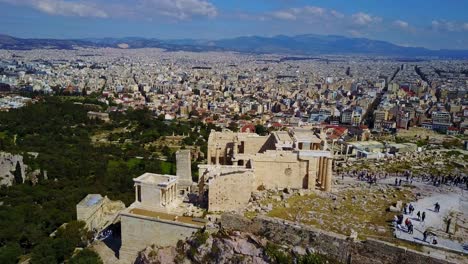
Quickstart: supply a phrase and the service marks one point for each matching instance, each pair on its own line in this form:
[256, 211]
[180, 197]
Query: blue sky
[429, 23]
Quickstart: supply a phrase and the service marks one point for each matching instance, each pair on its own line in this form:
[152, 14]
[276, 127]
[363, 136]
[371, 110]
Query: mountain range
[310, 44]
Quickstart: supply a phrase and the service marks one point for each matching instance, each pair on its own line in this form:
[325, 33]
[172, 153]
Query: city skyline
[432, 24]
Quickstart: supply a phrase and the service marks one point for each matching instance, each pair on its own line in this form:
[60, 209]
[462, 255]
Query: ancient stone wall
[230, 191]
[138, 232]
[279, 169]
[337, 246]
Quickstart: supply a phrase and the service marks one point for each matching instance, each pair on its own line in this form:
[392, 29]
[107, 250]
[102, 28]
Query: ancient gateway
[240, 163]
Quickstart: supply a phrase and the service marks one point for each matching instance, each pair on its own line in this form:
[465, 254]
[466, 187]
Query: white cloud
[363, 19]
[318, 11]
[305, 13]
[147, 9]
[451, 26]
[336, 14]
[63, 8]
[180, 9]
[355, 33]
[401, 24]
[284, 15]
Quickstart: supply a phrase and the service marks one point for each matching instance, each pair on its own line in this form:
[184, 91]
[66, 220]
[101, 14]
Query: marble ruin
[153, 219]
[97, 211]
[240, 163]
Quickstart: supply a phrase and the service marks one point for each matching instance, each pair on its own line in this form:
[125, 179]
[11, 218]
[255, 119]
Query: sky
[434, 24]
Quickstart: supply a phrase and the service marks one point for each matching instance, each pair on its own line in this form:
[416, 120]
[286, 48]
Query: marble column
[321, 172]
[136, 193]
[217, 155]
[312, 173]
[328, 184]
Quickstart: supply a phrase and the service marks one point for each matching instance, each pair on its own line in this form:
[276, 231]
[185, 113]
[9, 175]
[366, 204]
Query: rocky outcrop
[152, 255]
[227, 247]
[8, 164]
[338, 247]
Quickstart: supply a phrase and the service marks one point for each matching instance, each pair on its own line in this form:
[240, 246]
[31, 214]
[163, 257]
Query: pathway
[450, 202]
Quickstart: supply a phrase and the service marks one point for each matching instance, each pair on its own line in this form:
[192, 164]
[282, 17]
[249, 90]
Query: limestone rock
[8, 163]
[353, 236]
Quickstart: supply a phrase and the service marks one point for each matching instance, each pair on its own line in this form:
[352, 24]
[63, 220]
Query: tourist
[423, 216]
[399, 182]
[407, 222]
[419, 215]
[396, 182]
[410, 228]
[425, 235]
[436, 207]
[411, 209]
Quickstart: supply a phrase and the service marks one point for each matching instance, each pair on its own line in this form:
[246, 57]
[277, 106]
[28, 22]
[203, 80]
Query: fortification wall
[337, 246]
[138, 232]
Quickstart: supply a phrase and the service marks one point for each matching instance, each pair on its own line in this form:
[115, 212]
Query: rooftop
[91, 200]
[305, 135]
[156, 179]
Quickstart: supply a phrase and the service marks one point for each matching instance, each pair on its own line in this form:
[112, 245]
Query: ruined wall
[230, 191]
[99, 215]
[279, 169]
[8, 163]
[337, 246]
[138, 232]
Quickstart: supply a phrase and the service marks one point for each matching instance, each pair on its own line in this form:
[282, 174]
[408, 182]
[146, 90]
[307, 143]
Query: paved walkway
[457, 202]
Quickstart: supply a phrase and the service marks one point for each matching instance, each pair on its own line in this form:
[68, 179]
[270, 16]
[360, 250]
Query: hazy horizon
[433, 24]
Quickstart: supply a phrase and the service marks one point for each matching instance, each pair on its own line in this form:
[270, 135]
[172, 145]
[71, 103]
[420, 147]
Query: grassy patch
[356, 209]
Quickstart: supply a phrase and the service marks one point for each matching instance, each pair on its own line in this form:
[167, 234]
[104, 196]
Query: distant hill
[289, 45]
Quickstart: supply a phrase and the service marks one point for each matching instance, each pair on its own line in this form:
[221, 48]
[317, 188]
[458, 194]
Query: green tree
[86, 256]
[10, 253]
[261, 130]
[18, 175]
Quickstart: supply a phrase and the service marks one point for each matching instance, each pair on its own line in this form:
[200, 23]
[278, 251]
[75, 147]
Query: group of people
[409, 209]
[372, 177]
[452, 180]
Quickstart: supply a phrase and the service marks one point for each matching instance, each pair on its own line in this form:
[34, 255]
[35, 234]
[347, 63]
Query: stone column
[169, 195]
[217, 155]
[160, 198]
[320, 172]
[324, 172]
[312, 173]
[328, 175]
[235, 150]
[136, 192]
